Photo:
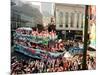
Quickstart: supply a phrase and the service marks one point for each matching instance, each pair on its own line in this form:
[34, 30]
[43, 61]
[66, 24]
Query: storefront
[70, 34]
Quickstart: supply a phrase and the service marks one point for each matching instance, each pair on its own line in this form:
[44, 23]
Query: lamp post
[84, 66]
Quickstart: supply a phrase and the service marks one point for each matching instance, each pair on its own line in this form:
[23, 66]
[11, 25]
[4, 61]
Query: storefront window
[77, 20]
[82, 21]
[72, 19]
[66, 19]
[61, 19]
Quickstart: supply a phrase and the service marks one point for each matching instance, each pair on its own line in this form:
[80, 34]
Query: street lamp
[84, 65]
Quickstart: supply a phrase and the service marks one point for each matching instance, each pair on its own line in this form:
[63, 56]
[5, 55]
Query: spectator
[50, 65]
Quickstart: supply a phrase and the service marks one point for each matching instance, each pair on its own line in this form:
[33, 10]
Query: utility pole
[84, 65]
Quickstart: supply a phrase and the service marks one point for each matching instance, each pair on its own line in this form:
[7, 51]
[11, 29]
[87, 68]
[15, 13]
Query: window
[57, 17]
[72, 19]
[82, 21]
[12, 24]
[15, 19]
[66, 19]
[61, 19]
[77, 20]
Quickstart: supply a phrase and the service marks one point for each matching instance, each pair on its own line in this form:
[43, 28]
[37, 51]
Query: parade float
[37, 45]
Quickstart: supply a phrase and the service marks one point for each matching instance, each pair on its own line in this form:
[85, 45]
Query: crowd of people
[52, 48]
[73, 43]
[37, 33]
[23, 66]
[52, 45]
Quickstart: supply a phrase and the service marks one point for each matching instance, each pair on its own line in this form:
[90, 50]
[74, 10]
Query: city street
[52, 37]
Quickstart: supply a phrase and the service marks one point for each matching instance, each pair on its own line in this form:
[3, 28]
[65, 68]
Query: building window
[77, 20]
[15, 19]
[61, 19]
[72, 19]
[12, 24]
[82, 21]
[66, 19]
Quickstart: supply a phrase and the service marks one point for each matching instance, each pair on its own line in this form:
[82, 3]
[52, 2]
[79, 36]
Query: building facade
[47, 9]
[70, 19]
[24, 15]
